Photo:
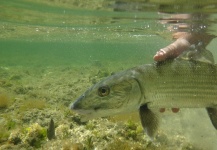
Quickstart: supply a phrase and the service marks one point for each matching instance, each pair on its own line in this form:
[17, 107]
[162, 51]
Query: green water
[51, 51]
[68, 53]
[76, 32]
[54, 33]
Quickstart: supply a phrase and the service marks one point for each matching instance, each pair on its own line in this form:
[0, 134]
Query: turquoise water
[51, 51]
[74, 52]
[75, 32]
[54, 33]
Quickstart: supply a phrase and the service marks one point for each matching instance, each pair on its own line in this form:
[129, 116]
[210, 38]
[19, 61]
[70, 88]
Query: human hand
[183, 41]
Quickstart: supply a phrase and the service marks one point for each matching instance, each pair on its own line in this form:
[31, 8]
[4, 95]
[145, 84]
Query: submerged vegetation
[33, 104]
[35, 135]
[118, 144]
[25, 122]
[4, 101]
[4, 134]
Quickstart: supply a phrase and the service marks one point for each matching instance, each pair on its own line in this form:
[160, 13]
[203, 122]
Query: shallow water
[52, 50]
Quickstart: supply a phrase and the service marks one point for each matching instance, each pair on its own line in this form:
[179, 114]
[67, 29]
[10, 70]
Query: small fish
[188, 81]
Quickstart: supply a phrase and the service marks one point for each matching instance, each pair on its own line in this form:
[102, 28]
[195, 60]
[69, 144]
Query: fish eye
[103, 91]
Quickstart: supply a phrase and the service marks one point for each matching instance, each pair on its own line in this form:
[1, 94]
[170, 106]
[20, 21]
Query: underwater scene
[52, 51]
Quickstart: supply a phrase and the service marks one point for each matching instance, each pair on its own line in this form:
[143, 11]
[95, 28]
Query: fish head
[119, 93]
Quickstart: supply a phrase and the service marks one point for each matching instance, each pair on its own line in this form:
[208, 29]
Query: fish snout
[73, 106]
[77, 104]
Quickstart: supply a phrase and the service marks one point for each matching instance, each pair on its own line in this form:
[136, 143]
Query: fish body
[183, 82]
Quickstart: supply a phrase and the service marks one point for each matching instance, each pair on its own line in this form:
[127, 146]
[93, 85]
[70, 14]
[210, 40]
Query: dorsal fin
[197, 54]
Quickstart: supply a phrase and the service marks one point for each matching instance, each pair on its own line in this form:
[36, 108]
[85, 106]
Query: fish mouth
[76, 105]
[72, 106]
[77, 108]
[85, 114]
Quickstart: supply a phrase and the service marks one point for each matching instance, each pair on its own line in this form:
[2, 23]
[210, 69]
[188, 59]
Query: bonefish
[188, 81]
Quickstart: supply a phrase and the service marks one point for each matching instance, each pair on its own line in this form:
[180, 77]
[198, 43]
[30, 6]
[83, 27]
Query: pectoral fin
[212, 112]
[149, 120]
